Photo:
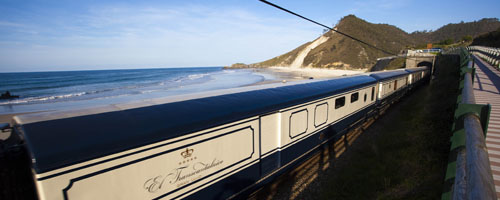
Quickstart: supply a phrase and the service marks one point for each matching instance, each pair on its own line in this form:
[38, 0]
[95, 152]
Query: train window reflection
[354, 97]
[339, 102]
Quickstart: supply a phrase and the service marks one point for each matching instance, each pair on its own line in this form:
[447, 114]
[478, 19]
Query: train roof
[416, 69]
[388, 74]
[77, 136]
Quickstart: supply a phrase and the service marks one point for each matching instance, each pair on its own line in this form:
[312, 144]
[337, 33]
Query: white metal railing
[469, 174]
[489, 54]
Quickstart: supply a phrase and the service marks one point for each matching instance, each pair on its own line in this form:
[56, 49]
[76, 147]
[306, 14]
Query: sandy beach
[316, 73]
[280, 74]
[295, 74]
[7, 118]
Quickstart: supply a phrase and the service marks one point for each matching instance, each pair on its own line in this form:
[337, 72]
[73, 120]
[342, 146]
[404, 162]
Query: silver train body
[213, 145]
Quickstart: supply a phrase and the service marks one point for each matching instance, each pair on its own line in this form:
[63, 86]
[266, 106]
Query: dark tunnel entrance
[425, 63]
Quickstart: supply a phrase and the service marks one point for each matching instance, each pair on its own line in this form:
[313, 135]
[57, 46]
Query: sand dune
[299, 60]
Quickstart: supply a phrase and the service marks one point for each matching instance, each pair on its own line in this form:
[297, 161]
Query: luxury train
[212, 145]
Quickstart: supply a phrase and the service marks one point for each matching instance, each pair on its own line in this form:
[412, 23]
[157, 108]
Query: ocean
[42, 91]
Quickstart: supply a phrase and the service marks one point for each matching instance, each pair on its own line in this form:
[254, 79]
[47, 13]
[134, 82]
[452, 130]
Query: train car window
[339, 102]
[373, 93]
[395, 84]
[365, 97]
[354, 97]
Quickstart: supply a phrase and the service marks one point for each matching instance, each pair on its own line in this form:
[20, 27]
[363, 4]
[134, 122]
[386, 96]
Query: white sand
[280, 73]
[316, 73]
[288, 74]
[7, 118]
[299, 60]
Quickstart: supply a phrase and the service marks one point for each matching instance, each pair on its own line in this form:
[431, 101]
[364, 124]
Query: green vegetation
[491, 39]
[404, 155]
[447, 42]
[458, 31]
[237, 66]
[341, 52]
[344, 50]
[283, 60]
[467, 38]
[396, 63]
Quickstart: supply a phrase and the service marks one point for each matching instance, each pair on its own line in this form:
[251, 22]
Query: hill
[457, 32]
[491, 39]
[332, 50]
[337, 51]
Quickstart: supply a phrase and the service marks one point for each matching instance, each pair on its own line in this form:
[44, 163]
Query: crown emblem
[187, 153]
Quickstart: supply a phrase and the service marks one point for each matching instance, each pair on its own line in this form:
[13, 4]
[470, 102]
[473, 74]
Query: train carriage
[212, 145]
[391, 85]
[416, 74]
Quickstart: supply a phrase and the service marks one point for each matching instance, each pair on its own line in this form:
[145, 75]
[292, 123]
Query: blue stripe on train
[388, 74]
[249, 176]
[63, 142]
[337, 129]
[241, 180]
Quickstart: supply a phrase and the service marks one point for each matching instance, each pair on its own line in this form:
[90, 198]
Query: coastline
[7, 118]
[296, 74]
[271, 75]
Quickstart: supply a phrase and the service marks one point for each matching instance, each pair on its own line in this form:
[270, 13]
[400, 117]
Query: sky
[64, 35]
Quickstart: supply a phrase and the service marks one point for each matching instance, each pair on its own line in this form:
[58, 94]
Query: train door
[270, 143]
[380, 91]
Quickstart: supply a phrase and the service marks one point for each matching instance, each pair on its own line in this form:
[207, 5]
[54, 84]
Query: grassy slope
[342, 52]
[283, 60]
[396, 63]
[342, 49]
[457, 31]
[491, 39]
[405, 154]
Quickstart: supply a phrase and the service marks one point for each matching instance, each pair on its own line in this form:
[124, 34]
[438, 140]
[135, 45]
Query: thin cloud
[160, 37]
[376, 5]
[11, 24]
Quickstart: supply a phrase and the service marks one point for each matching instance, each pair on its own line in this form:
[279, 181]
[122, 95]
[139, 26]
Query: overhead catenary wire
[344, 34]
